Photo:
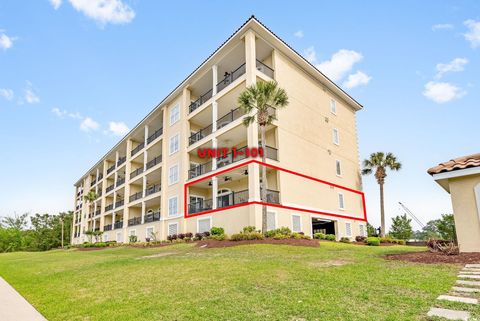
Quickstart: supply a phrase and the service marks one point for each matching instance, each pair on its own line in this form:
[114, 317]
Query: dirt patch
[436, 258]
[153, 256]
[226, 243]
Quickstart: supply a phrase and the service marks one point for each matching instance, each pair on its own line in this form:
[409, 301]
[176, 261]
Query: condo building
[153, 183]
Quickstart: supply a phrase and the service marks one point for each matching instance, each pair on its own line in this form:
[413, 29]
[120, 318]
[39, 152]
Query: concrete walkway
[13, 307]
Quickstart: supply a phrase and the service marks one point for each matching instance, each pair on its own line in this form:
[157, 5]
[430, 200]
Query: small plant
[206, 234]
[132, 238]
[319, 236]
[300, 235]
[181, 236]
[345, 239]
[217, 231]
[199, 236]
[401, 242]
[249, 229]
[188, 235]
[360, 239]
[330, 237]
[386, 239]
[285, 231]
[373, 241]
[147, 239]
[218, 237]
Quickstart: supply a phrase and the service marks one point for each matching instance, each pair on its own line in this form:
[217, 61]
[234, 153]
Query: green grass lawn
[253, 282]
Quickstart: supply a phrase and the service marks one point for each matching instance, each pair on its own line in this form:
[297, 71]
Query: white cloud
[442, 26]
[357, 79]
[442, 92]
[75, 115]
[30, 96]
[58, 112]
[88, 125]
[6, 42]
[455, 65]
[473, 34]
[6, 93]
[299, 34]
[105, 11]
[310, 54]
[118, 128]
[56, 4]
[340, 64]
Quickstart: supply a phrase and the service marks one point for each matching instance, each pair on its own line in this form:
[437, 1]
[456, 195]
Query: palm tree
[262, 97]
[379, 162]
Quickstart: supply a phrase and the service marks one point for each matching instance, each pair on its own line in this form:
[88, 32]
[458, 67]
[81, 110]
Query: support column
[143, 212]
[146, 135]
[144, 183]
[214, 192]
[214, 116]
[250, 58]
[214, 79]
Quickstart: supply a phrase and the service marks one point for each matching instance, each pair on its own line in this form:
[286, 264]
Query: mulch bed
[226, 243]
[436, 258]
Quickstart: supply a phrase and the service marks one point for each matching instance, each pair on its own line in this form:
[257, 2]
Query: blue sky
[74, 76]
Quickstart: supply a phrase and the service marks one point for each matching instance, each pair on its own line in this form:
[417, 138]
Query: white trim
[177, 136]
[168, 203]
[178, 174]
[457, 173]
[171, 217]
[333, 110]
[336, 134]
[301, 225]
[170, 114]
[203, 219]
[146, 230]
[170, 224]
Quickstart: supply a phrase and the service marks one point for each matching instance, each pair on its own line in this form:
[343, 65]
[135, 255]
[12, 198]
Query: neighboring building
[461, 178]
[153, 183]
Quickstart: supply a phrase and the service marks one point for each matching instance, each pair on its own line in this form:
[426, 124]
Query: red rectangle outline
[185, 215]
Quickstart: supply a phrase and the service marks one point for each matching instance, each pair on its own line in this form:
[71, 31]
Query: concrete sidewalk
[13, 307]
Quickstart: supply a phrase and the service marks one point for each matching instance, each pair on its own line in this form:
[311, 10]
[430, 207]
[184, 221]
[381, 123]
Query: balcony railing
[200, 170]
[119, 203]
[135, 196]
[107, 227]
[109, 207]
[200, 101]
[271, 152]
[265, 69]
[137, 149]
[153, 189]
[110, 169]
[121, 160]
[155, 161]
[100, 177]
[97, 212]
[99, 194]
[120, 181]
[199, 206]
[93, 182]
[135, 221]
[231, 77]
[110, 188]
[230, 199]
[152, 217]
[136, 172]
[204, 132]
[273, 196]
[118, 224]
[154, 136]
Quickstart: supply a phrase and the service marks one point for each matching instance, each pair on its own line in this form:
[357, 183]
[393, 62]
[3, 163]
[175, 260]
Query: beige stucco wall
[465, 208]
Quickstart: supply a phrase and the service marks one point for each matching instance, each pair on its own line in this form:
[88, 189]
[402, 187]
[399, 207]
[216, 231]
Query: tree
[446, 227]
[430, 230]
[262, 97]
[16, 221]
[401, 227]
[371, 231]
[379, 163]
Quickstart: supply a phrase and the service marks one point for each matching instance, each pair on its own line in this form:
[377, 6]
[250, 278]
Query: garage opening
[320, 225]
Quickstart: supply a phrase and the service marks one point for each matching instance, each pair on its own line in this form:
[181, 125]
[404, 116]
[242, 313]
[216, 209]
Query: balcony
[222, 201]
[223, 121]
[107, 227]
[200, 170]
[109, 207]
[99, 194]
[155, 135]
[120, 181]
[265, 69]
[110, 188]
[155, 161]
[119, 203]
[200, 101]
[136, 172]
[137, 149]
[121, 160]
[110, 169]
[153, 189]
[97, 212]
[135, 221]
[273, 197]
[93, 182]
[204, 132]
[152, 217]
[230, 77]
[100, 177]
[135, 196]
[118, 224]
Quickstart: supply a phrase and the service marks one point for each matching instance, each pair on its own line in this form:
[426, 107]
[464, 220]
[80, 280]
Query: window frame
[275, 220]
[336, 136]
[169, 199]
[209, 218]
[170, 182]
[300, 222]
[348, 231]
[333, 106]
[170, 150]
[171, 224]
[146, 230]
[341, 204]
[338, 166]
[176, 109]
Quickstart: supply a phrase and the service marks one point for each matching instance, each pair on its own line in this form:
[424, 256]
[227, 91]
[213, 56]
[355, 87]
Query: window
[341, 201]
[336, 139]
[173, 206]
[174, 114]
[172, 228]
[105, 237]
[348, 229]
[173, 174]
[333, 106]
[296, 223]
[338, 167]
[204, 225]
[119, 237]
[149, 232]
[271, 221]
[362, 230]
[174, 143]
[132, 232]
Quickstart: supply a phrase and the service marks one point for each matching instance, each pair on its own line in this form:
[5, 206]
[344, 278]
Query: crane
[407, 211]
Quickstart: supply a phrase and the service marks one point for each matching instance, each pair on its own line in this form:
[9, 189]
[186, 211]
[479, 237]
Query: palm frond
[366, 171]
[247, 120]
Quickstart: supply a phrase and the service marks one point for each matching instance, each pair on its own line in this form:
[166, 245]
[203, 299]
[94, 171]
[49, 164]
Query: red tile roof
[456, 164]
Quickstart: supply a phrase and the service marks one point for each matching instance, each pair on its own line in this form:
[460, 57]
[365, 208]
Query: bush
[285, 231]
[280, 236]
[386, 239]
[373, 241]
[246, 236]
[206, 234]
[249, 229]
[132, 238]
[198, 236]
[172, 237]
[188, 235]
[345, 240]
[220, 237]
[217, 231]
[319, 236]
[300, 235]
[330, 237]
[401, 242]
[100, 244]
[360, 238]
[181, 236]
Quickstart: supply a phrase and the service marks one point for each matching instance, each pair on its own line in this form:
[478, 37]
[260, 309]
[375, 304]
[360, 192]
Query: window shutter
[296, 224]
[204, 225]
[270, 221]
[362, 230]
[348, 229]
[173, 229]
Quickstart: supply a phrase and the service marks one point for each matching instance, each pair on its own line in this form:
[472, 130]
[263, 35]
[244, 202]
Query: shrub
[188, 235]
[218, 237]
[360, 238]
[132, 238]
[217, 231]
[280, 236]
[345, 240]
[401, 242]
[373, 241]
[147, 239]
[181, 236]
[300, 236]
[206, 234]
[285, 231]
[386, 239]
[198, 236]
[246, 236]
[249, 229]
[100, 244]
[172, 237]
[330, 237]
[319, 236]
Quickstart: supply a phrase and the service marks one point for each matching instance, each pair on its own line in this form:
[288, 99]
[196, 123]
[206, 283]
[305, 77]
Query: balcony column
[94, 225]
[214, 192]
[113, 220]
[214, 79]
[144, 189]
[146, 135]
[214, 116]
[145, 160]
[250, 58]
[143, 212]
